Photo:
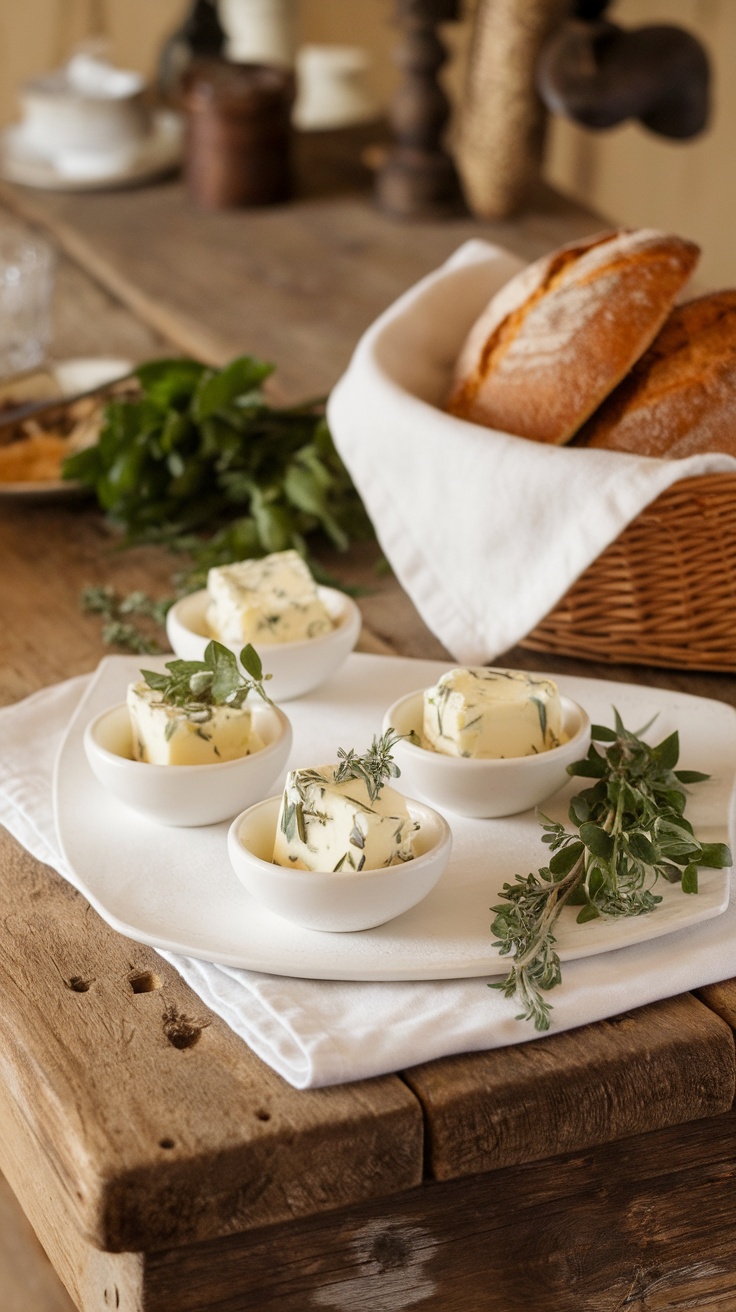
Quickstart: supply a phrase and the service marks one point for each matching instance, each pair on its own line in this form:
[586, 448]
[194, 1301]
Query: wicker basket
[664, 593]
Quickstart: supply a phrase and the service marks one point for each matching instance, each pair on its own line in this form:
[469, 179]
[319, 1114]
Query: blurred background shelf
[626, 174]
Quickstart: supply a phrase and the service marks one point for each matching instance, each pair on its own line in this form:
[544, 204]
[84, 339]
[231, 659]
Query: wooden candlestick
[417, 177]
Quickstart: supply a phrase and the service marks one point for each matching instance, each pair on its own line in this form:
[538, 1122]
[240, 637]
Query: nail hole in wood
[77, 984]
[263, 1116]
[166, 1143]
[180, 1030]
[390, 1250]
[144, 981]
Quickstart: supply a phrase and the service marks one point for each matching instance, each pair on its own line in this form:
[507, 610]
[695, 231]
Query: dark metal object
[201, 36]
[239, 136]
[417, 177]
[600, 74]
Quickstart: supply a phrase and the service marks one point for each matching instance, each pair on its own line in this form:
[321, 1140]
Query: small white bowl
[485, 788]
[186, 795]
[338, 901]
[296, 667]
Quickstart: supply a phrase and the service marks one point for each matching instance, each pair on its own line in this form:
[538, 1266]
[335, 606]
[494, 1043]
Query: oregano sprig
[215, 681]
[631, 831]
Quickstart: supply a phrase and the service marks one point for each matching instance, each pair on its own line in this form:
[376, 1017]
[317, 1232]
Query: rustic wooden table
[160, 1163]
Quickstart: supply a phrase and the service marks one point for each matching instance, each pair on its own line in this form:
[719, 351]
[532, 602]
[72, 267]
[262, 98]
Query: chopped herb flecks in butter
[163, 734]
[194, 713]
[492, 713]
[266, 601]
[329, 826]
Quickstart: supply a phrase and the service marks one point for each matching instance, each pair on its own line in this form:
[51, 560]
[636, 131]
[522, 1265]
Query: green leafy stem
[215, 681]
[203, 449]
[200, 462]
[631, 831]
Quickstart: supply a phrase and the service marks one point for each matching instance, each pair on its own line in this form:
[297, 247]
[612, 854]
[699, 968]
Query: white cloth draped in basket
[484, 530]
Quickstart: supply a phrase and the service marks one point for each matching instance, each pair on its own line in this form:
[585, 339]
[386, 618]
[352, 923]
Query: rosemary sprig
[374, 768]
[216, 681]
[631, 830]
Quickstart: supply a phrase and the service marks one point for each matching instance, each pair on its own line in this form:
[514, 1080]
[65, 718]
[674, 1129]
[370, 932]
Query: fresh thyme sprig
[216, 681]
[631, 830]
[375, 767]
[118, 629]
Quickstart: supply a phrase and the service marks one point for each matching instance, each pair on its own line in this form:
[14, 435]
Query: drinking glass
[26, 285]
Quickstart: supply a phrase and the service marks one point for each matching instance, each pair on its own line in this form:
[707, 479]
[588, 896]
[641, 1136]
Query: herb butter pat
[492, 713]
[328, 825]
[266, 601]
[173, 735]
[195, 713]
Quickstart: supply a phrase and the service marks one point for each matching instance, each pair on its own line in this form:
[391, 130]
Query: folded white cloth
[316, 1032]
[484, 530]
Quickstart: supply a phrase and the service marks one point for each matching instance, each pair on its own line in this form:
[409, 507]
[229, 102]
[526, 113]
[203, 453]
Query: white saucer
[158, 154]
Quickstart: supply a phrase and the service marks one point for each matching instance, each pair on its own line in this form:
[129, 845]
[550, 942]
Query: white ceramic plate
[158, 154]
[176, 890]
[72, 376]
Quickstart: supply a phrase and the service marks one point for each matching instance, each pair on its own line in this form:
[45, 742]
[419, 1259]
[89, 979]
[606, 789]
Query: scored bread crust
[680, 397]
[553, 343]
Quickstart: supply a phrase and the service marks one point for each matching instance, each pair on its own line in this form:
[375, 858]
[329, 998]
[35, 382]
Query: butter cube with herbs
[492, 714]
[344, 817]
[266, 601]
[195, 714]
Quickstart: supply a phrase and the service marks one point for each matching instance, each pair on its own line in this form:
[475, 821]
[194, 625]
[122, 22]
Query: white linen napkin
[316, 1032]
[484, 530]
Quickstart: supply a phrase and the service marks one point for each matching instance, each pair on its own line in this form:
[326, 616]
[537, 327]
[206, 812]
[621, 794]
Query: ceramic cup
[86, 110]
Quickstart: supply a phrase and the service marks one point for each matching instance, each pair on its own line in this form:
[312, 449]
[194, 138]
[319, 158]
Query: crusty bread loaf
[557, 339]
[680, 398]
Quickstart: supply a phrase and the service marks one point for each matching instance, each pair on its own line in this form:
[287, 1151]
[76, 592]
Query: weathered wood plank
[296, 283]
[48, 638]
[656, 1066]
[643, 1225]
[88, 321]
[94, 1280]
[163, 1134]
[28, 1282]
[721, 998]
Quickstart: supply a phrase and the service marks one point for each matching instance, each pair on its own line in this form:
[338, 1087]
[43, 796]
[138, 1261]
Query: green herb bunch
[198, 686]
[375, 767]
[630, 831]
[201, 450]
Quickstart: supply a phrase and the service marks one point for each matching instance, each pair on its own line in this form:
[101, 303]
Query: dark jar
[239, 134]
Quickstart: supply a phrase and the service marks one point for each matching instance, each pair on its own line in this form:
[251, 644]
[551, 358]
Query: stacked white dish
[88, 125]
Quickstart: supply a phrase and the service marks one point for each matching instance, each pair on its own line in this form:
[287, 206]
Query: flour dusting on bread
[560, 336]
